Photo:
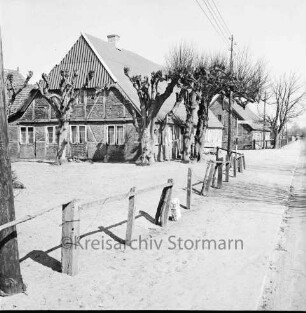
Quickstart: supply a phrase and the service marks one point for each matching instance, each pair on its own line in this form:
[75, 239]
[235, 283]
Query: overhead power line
[213, 25]
[215, 18]
[224, 23]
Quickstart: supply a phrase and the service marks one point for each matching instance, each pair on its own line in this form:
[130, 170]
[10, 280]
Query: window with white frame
[27, 134]
[51, 134]
[78, 133]
[120, 135]
[115, 135]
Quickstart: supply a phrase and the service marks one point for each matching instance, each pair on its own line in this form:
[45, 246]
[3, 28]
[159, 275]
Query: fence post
[234, 166]
[214, 174]
[162, 212]
[189, 188]
[131, 217]
[238, 164]
[241, 163]
[70, 237]
[206, 177]
[243, 159]
[220, 172]
[227, 168]
[209, 179]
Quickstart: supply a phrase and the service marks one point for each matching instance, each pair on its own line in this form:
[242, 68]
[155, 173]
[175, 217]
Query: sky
[36, 34]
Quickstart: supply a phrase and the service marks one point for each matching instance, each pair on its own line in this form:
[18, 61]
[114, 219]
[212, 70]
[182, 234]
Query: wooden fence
[214, 172]
[71, 211]
[71, 220]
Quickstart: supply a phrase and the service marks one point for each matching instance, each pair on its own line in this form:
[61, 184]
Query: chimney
[113, 39]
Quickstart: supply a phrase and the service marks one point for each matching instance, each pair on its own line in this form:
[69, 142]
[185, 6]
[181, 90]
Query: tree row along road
[250, 208]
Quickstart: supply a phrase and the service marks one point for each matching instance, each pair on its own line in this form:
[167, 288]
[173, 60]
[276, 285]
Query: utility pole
[264, 123]
[229, 130]
[10, 275]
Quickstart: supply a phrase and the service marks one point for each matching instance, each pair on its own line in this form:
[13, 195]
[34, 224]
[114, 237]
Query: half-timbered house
[246, 130]
[100, 128]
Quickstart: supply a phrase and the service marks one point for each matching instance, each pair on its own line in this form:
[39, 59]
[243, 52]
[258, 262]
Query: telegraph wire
[217, 23]
[213, 25]
[224, 23]
[222, 32]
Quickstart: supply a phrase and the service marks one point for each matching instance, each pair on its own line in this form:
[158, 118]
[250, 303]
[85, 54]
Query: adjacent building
[101, 128]
[25, 96]
[246, 130]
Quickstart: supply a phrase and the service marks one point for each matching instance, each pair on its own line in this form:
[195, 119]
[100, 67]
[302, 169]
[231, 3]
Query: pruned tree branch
[14, 91]
[154, 91]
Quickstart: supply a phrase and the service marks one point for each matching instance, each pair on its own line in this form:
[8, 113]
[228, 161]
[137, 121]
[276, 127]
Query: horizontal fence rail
[84, 205]
[231, 151]
[28, 217]
[213, 177]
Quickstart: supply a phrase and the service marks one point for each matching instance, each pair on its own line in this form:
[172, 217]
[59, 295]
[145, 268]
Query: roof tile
[18, 81]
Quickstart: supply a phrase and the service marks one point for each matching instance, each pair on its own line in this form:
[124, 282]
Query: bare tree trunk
[147, 144]
[276, 143]
[200, 141]
[62, 140]
[187, 135]
[191, 104]
[10, 275]
[201, 131]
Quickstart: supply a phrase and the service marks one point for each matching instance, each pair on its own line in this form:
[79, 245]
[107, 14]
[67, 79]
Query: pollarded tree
[211, 87]
[200, 87]
[189, 88]
[287, 101]
[247, 81]
[244, 82]
[62, 102]
[151, 98]
[13, 91]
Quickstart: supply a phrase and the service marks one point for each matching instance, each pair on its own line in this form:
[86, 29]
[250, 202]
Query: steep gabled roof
[248, 116]
[83, 58]
[18, 81]
[108, 62]
[118, 59]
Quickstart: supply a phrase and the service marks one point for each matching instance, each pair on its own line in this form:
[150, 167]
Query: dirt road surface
[285, 287]
[159, 273]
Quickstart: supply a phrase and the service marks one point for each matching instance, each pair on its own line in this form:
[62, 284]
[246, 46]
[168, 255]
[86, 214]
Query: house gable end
[81, 57]
[114, 106]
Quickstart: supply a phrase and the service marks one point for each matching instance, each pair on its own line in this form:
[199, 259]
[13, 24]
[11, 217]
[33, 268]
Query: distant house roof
[18, 81]
[109, 62]
[248, 116]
